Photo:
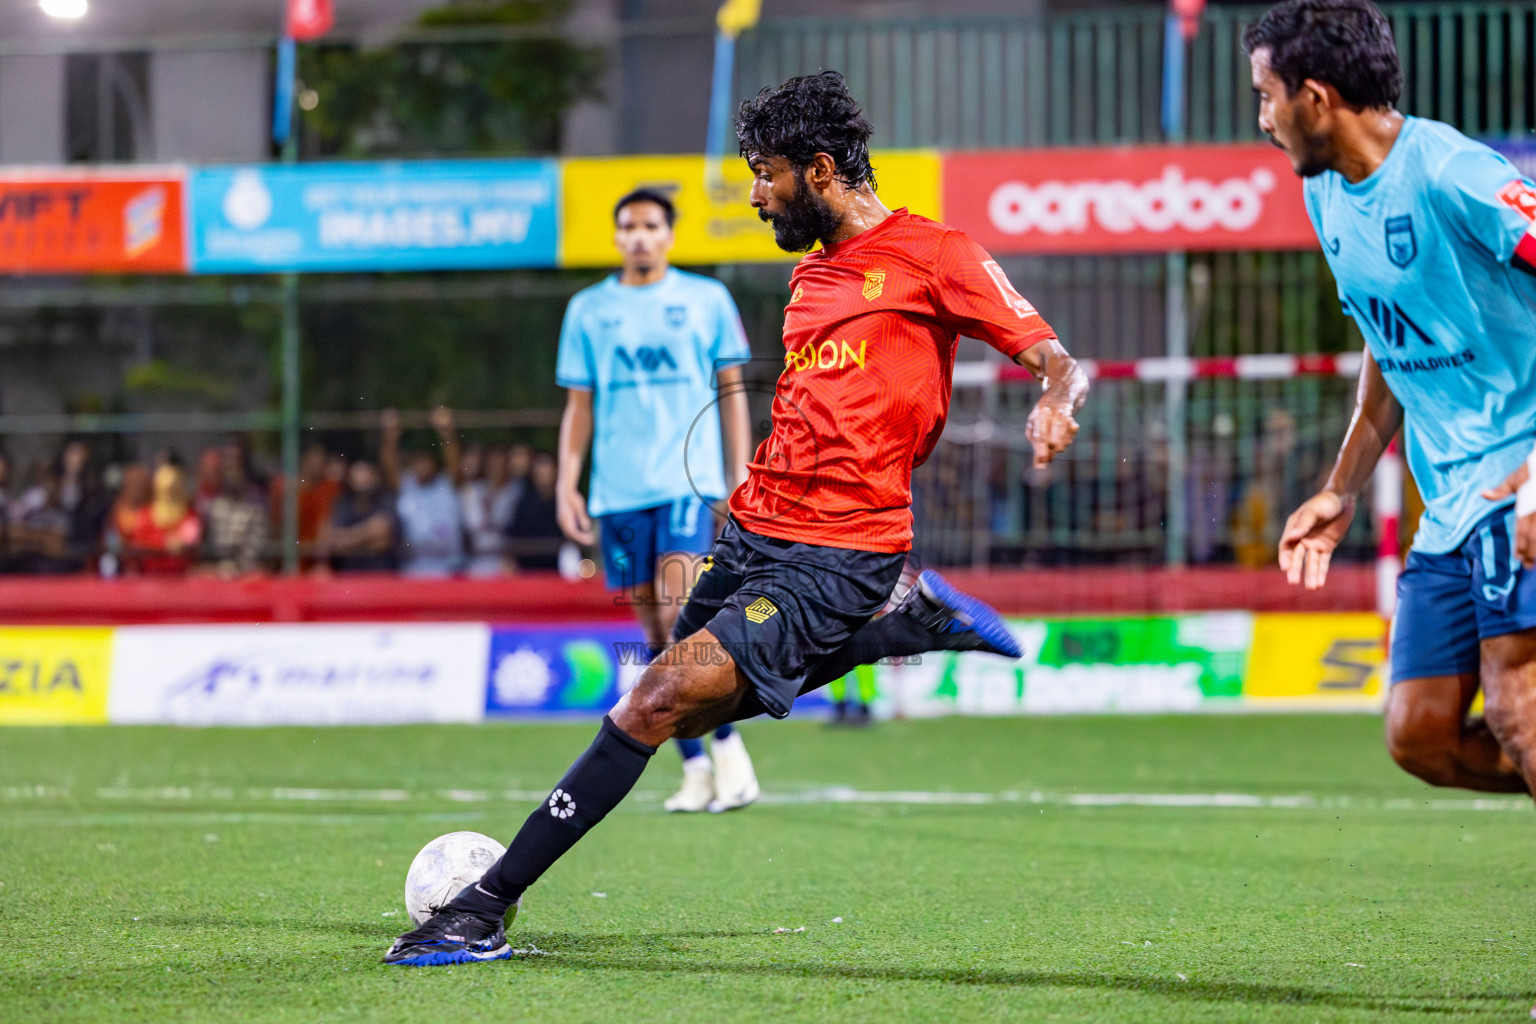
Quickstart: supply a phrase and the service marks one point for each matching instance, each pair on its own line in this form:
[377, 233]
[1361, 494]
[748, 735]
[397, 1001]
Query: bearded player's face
[800, 217]
[1292, 120]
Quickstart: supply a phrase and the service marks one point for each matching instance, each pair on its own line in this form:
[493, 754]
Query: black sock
[591, 788]
[891, 636]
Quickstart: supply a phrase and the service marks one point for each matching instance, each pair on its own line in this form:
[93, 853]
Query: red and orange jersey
[869, 338]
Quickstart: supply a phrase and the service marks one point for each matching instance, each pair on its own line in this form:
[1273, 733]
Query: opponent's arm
[1052, 425]
[575, 439]
[1315, 529]
[735, 426]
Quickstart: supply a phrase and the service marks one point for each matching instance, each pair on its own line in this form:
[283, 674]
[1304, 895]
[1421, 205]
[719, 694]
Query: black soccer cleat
[958, 621]
[452, 936]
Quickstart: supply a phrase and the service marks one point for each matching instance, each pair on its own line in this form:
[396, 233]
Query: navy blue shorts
[634, 541]
[780, 608]
[1447, 603]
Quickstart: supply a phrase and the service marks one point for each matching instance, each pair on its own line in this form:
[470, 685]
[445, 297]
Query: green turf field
[982, 870]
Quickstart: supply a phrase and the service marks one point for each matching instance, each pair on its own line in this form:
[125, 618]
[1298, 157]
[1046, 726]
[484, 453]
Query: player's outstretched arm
[1314, 530]
[1522, 485]
[1052, 424]
[575, 440]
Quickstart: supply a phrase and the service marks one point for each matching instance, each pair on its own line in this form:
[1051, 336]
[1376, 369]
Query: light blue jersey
[650, 354]
[1421, 250]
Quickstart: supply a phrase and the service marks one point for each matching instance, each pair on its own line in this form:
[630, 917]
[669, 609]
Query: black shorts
[779, 608]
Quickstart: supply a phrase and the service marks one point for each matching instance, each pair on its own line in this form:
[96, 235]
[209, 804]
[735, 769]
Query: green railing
[1096, 78]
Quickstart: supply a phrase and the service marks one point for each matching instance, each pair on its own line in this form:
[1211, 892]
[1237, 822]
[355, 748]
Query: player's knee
[653, 708]
[1511, 725]
[1423, 742]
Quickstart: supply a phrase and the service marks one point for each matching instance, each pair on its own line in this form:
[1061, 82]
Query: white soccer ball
[443, 867]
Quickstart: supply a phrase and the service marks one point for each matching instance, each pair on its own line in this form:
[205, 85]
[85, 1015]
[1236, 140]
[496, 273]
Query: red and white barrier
[1265, 367]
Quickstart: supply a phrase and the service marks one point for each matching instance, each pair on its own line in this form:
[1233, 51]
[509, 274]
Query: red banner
[310, 18]
[94, 223]
[1130, 199]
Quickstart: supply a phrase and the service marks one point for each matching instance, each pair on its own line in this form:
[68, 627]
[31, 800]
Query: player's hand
[1525, 525]
[1311, 534]
[571, 514]
[1050, 428]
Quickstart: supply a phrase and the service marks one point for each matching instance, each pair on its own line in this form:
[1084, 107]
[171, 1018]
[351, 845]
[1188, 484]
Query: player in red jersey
[820, 530]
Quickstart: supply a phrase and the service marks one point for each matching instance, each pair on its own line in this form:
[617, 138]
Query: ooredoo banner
[1127, 199]
[112, 221]
[299, 675]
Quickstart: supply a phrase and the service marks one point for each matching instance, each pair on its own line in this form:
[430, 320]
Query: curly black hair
[805, 116]
[1346, 43]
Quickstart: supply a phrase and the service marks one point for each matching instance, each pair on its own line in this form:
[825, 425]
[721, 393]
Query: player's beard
[806, 220]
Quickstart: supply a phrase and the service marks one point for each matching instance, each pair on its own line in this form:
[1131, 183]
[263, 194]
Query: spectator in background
[488, 504]
[39, 532]
[534, 538]
[236, 524]
[85, 499]
[5, 500]
[361, 534]
[210, 477]
[164, 536]
[133, 495]
[432, 538]
[320, 484]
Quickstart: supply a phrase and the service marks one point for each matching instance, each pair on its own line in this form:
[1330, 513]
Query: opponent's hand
[571, 514]
[1525, 526]
[1050, 428]
[1311, 534]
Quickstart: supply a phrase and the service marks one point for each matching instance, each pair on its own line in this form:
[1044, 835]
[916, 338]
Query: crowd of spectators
[446, 509]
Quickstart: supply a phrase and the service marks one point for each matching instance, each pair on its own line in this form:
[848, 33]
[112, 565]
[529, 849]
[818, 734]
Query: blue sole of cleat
[985, 620]
[454, 956]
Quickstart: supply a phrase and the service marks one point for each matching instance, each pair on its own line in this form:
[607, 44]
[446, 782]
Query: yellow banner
[715, 224]
[54, 675]
[1319, 659]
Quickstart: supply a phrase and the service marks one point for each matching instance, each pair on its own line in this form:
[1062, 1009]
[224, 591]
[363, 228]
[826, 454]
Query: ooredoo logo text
[1171, 201]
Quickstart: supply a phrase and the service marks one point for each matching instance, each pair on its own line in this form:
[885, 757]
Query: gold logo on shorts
[874, 284]
[761, 611]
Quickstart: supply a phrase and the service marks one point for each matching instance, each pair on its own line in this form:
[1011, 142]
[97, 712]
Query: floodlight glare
[64, 9]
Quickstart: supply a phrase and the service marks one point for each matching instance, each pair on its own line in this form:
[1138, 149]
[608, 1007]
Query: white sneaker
[735, 781]
[698, 790]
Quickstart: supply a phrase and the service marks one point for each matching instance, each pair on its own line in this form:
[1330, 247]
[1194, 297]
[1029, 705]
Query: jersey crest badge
[677, 316]
[1522, 196]
[1401, 245]
[799, 293]
[760, 611]
[874, 284]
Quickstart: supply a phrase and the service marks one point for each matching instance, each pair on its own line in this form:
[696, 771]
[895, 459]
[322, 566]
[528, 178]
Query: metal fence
[1096, 77]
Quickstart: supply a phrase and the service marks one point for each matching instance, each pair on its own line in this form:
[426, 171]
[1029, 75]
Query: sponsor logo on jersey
[646, 357]
[1401, 245]
[1521, 195]
[1389, 318]
[1016, 302]
[874, 284]
[829, 355]
[677, 316]
[761, 611]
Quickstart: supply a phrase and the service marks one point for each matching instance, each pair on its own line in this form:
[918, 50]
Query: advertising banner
[54, 675]
[97, 222]
[1520, 152]
[299, 675]
[1176, 663]
[715, 223]
[422, 215]
[1323, 659]
[1127, 199]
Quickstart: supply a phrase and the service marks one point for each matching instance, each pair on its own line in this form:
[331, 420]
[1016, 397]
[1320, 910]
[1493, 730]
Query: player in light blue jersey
[651, 362]
[1427, 233]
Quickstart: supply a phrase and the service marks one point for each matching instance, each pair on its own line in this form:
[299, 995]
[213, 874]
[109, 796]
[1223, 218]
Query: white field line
[828, 795]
